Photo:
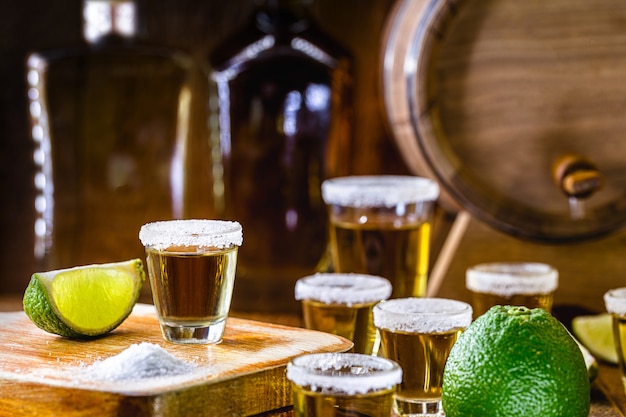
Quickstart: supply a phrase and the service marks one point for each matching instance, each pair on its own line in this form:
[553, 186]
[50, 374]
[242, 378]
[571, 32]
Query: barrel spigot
[578, 178]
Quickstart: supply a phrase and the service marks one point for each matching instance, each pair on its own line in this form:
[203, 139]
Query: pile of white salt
[138, 361]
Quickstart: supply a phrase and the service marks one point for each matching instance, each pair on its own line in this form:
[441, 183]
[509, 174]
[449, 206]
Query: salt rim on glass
[378, 190]
[422, 315]
[509, 278]
[345, 373]
[343, 288]
[192, 232]
[615, 301]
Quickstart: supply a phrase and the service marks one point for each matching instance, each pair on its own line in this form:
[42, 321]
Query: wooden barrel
[517, 108]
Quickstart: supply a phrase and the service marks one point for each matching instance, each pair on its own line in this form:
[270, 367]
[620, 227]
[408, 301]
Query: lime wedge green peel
[596, 334]
[84, 301]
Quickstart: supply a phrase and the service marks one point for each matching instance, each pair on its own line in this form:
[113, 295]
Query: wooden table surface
[608, 398]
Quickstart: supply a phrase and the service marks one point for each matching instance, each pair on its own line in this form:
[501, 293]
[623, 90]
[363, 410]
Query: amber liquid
[481, 302]
[398, 253]
[314, 404]
[191, 288]
[422, 358]
[354, 322]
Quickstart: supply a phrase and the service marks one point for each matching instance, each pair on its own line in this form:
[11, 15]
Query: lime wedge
[84, 301]
[596, 334]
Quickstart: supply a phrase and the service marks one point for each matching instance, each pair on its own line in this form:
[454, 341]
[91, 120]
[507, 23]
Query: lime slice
[84, 301]
[596, 333]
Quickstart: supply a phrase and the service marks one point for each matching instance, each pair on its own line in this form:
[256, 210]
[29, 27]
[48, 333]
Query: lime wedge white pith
[84, 301]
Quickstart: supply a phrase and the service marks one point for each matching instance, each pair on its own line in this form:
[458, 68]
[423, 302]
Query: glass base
[416, 408]
[193, 334]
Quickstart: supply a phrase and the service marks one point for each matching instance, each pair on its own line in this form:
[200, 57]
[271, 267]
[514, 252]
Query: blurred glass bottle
[109, 120]
[280, 124]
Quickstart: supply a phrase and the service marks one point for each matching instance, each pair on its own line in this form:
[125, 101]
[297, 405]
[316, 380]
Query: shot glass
[342, 304]
[615, 303]
[191, 266]
[343, 384]
[419, 333]
[529, 284]
[381, 225]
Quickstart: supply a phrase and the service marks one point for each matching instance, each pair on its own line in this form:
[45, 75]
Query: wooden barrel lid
[518, 108]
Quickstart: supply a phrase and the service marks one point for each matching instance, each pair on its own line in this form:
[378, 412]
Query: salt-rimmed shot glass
[380, 225]
[191, 266]
[342, 304]
[419, 333]
[615, 303]
[343, 384]
[529, 284]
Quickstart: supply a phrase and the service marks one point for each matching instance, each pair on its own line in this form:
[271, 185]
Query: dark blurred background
[192, 25]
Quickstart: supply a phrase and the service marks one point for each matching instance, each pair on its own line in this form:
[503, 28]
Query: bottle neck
[103, 18]
[282, 15]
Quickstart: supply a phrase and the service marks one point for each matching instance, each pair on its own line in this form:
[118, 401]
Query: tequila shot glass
[343, 384]
[381, 225]
[418, 333]
[529, 284]
[342, 304]
[191, 266]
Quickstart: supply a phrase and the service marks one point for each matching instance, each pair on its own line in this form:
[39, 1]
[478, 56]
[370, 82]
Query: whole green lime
[514, 361]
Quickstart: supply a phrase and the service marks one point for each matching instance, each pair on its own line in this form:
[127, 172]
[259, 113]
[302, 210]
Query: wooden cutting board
[43, 374]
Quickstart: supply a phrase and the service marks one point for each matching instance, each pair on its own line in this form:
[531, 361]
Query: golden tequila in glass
[380, 225]
[615, 303]
[528, 284]
[191, 266]
[343, 384]
[342, 304]
[419, 333]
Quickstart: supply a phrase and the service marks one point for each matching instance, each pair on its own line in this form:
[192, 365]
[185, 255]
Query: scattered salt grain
[139, 361]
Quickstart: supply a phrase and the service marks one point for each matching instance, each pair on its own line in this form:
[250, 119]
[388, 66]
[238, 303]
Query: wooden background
[587, 269]
[192, 25]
